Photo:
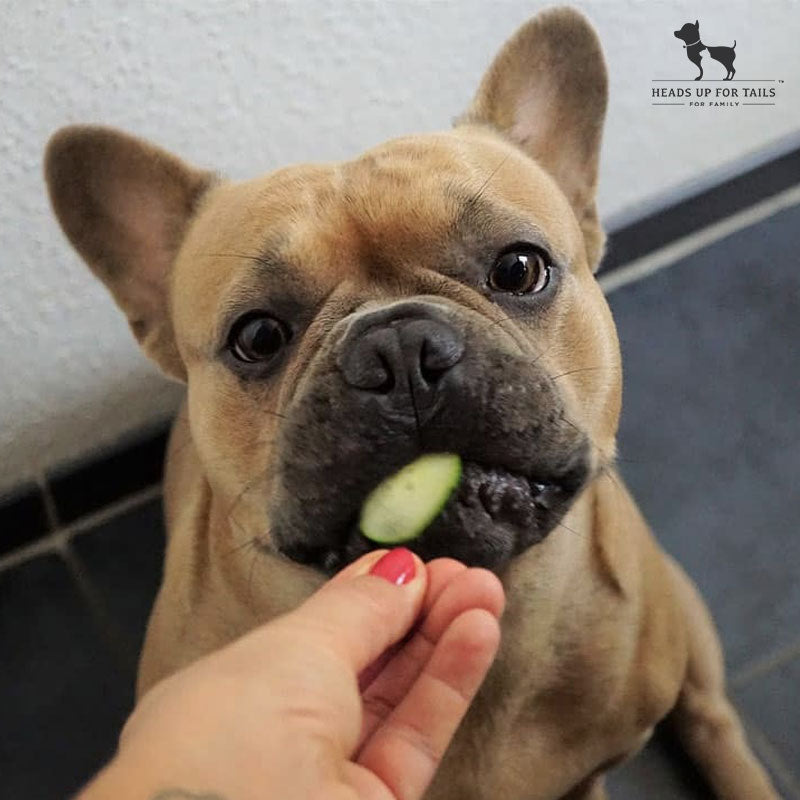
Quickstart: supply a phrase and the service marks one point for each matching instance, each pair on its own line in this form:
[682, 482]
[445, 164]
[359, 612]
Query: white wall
[248, 86]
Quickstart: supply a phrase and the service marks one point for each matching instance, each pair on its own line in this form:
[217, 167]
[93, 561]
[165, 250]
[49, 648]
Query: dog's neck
[686, 46]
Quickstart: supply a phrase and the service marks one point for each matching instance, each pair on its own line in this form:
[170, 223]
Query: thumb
[368, 607]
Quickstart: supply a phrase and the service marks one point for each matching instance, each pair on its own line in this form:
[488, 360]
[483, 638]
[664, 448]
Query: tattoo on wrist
[182, 794]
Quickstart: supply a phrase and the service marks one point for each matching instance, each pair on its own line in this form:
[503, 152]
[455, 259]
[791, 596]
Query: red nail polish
[397, 566]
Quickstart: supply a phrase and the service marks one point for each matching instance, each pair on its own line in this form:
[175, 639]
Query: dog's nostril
[432, 376]
[438, 355]
[388, 384]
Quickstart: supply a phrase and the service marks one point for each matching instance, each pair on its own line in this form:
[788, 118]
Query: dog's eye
[257, 338]
[520, 271]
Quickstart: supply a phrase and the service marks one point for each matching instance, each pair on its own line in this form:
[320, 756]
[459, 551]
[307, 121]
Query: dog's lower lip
[492, 508]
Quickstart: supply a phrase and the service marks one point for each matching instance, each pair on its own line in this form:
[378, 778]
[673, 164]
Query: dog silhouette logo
[690, 34]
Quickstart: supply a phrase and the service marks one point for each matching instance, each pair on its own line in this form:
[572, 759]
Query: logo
[720, 68]
[690, 34]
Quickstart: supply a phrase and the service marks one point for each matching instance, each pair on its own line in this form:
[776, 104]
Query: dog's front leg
[706, 721]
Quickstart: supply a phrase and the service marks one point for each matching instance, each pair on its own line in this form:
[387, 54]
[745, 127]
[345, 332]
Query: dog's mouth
[493, 515]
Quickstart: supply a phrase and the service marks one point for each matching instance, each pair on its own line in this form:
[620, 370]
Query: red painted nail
[397, 566]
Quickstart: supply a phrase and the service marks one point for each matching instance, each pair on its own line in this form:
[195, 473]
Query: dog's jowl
[436, 294]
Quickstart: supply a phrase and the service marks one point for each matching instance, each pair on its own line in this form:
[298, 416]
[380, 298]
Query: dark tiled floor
[123, 559]
[710, 444]
[772, 702]
[710, 435]
[62, 694]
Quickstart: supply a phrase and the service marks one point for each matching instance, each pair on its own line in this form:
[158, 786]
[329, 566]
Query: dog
[690, 33]
[436, 294]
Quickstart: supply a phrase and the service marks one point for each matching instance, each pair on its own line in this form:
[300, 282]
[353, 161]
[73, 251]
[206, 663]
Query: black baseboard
[135, 464]
[23, 518]
[694, 213]
[82, 488]
[110, 476]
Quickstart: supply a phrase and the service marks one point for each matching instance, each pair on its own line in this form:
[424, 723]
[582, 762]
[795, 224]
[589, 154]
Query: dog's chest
[533, 734]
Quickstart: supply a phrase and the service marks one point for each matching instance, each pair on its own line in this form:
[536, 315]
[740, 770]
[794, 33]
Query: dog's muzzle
[410, 378]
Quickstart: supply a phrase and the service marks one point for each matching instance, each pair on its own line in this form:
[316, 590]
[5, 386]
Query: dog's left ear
[125, 206]
[547, 91]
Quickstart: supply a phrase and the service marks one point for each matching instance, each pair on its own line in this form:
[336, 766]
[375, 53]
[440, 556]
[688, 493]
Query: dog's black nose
[401, 352]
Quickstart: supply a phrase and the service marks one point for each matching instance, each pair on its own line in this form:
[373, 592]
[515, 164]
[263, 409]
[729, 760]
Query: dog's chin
[493, 516]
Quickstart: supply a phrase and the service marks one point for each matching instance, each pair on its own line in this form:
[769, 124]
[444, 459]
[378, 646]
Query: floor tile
[63, 699]
[120, 471]
[124, 558]
[771, 702]
[710, 433]
[659, 772]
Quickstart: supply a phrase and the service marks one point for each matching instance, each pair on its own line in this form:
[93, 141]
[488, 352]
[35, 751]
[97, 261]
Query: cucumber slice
[401, 507]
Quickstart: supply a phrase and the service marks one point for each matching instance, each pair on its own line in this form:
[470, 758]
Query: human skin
[354, 695]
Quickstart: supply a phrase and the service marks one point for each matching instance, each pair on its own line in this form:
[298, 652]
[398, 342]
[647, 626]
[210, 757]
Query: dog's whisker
[607, 471]
[584, 369]
[249, 486]
[506, 318]
[250, 575]
[251, 542]
[246, 256]
[472, 202]
[571, 530]
[569, 422]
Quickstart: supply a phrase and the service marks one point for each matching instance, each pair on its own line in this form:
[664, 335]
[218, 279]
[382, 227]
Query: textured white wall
[248, 86]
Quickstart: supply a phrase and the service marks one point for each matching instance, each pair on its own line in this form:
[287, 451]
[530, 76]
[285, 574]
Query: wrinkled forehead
[320, 225]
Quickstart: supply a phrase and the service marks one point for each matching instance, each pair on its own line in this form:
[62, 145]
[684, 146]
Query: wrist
[126, 778]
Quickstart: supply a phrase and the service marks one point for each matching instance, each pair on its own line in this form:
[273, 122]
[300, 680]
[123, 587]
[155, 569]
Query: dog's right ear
[125, 206]
[546, 90]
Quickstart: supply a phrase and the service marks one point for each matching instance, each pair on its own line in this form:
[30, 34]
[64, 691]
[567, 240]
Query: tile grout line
[671, 253]
[771, 756]
[760, 666]
[107, 627]
[50, 510]
[102, 515]
[56, 541]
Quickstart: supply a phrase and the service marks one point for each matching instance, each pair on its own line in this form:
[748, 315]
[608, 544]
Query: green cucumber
[401, 507]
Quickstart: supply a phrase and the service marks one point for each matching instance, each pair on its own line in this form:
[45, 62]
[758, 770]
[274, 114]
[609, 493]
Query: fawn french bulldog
[437, 294]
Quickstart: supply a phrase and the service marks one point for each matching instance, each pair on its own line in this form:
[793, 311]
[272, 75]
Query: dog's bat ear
[547, 90]
[697, 25]
[125, 206]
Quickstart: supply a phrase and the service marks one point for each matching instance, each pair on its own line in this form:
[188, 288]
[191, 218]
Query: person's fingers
[466, 589]
[357, 616]
[475, 588]
[406, 750]
[440, 572]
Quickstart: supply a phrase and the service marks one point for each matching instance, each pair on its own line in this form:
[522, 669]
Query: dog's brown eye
[519, 272]
[258, 338]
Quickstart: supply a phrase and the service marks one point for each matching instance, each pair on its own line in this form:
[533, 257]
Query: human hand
[334, 700]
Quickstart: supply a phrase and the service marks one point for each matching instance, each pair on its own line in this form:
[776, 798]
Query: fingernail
[397, 566]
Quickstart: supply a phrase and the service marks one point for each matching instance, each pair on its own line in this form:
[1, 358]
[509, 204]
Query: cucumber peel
[402, 506]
